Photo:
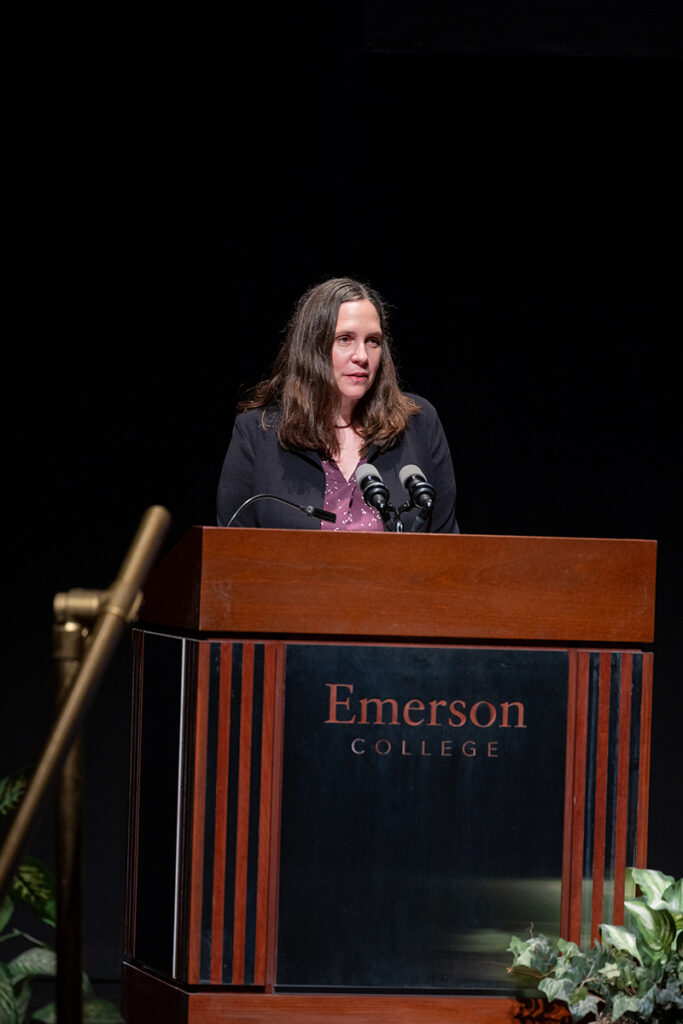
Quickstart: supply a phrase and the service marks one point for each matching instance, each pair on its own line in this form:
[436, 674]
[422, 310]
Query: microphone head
[405, 474]
[372, 487]
[420, 492]
[365, 471]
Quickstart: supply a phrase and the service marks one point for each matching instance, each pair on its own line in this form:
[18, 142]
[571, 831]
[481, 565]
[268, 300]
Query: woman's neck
[345, 413]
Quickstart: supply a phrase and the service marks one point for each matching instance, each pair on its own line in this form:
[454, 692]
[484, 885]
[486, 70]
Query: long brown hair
[302, 383]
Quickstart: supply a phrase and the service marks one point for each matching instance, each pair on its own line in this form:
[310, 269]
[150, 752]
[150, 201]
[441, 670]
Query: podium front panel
[377, 817]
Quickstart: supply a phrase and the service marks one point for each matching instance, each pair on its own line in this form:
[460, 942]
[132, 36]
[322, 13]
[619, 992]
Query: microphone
[420, 492]
[374, 490]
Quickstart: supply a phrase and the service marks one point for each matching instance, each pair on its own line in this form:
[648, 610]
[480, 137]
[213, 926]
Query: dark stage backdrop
[179, 183]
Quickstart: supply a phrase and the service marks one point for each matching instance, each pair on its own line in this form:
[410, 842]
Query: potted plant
[634, 974]
[33, 885]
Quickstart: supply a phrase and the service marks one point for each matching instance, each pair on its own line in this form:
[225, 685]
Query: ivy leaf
[572, 964]
[536, 953]
[585, 1006]
[32, 962]
[530, 973]
[558, 988]
[567, 948]
[670, 995]
[623, 1004]
[34, 885]
[12, 789]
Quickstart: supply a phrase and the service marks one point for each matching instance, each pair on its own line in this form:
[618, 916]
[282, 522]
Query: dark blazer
[256, 463]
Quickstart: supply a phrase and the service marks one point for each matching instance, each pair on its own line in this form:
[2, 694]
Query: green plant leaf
[22, 997]
[656, 928]
[652, 883]
[624, 1004]
[567, 948]
[610, 971]
[8, 1007]
[47, 1014]
[537, 954]
[32, 962]
[672, 898]
[581, 1009]
[12, 789]
[532, 974]
[572, 964]
[670, 995]
[34, 885]
[8, 1003]
[102, 1011]
[558, 988]
[6, 911]
[621, 938]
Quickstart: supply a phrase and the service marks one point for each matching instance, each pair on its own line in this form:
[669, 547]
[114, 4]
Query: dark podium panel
[330, 820]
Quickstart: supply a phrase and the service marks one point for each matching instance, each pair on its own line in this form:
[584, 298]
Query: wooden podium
[361, 761]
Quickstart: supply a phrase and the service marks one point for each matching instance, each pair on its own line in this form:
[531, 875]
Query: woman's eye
[374, 341]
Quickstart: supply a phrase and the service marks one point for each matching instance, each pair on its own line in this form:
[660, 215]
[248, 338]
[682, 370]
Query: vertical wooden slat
[579, 788]
[569, 770]
[242, 851]
[601, 768]
[644, 769]
[266, 787]
[621, 823]
[198, 805]
[220, 842]
[276, 809]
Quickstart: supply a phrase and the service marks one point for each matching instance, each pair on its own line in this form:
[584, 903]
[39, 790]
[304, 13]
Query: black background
[178, 181]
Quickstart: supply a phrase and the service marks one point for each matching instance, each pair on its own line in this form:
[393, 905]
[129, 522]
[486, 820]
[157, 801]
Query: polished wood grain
[623, 765]
[150, 1000]
[198, 804]
[578, 789]
[644, 773]
[567, 909]
[425, 586]
[220, 840]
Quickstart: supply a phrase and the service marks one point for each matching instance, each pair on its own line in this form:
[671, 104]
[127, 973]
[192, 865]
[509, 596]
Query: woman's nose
[360, 354]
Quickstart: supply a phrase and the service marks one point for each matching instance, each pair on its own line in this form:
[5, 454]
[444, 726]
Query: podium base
[151, 1000]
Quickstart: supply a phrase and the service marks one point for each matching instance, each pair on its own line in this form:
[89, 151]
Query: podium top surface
[309, 584]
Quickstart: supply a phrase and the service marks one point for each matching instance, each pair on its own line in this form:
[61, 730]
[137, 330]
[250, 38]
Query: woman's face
[356, 351]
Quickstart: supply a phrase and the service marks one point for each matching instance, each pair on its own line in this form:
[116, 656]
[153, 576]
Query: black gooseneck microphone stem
[308, 510]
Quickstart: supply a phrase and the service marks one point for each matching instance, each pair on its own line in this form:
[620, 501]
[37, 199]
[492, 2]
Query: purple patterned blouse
[343, 497]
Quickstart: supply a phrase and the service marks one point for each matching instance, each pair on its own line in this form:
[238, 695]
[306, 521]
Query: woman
[332, 403]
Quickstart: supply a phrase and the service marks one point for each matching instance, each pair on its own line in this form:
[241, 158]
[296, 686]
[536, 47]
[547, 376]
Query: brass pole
[120, 605]
[68, 640]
